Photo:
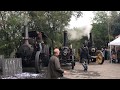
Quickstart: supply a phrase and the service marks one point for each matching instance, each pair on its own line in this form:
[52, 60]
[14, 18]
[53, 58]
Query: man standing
[54, 69]
[84, 56]
[118, 55]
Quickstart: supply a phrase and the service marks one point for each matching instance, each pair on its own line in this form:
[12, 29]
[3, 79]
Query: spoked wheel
[38, 62]
[99, 57]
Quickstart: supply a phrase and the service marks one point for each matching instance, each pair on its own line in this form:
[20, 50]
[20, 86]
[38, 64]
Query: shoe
[85, 70]
[85, 66]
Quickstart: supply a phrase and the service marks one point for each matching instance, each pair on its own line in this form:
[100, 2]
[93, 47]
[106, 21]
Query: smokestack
[91, 40]
[65, 38]
[26, 32]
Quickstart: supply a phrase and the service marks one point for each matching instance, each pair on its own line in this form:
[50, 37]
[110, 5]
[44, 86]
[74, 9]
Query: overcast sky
[82, 21]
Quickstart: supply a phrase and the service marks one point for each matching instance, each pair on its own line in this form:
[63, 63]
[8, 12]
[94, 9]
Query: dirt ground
[105, 71]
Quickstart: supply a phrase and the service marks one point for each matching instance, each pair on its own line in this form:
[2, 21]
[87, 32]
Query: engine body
[67, 53]
[34, 52]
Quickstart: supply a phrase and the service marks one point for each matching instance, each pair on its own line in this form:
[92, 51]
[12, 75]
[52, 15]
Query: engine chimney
[26, 32]
[91, 40]
[65, 38]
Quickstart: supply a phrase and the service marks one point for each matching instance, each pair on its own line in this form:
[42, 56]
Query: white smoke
[83, 25]
[78, 33]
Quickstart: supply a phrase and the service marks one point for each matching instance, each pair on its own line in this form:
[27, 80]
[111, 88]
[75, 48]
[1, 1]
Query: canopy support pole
[110, 54]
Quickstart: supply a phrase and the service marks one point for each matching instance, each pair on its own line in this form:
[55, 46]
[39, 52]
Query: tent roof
[115, 42]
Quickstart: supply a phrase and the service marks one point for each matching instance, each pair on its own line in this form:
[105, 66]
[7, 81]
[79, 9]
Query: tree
[10, 29]
[115, 24]
[100, 29]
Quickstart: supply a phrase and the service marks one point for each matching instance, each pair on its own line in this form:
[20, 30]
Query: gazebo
[115, 42]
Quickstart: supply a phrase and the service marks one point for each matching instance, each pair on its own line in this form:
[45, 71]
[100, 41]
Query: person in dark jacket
[54, 68]
[84, 56]
[118, 55]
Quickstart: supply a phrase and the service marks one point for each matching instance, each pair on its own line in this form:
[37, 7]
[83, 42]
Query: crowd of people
[115, 54]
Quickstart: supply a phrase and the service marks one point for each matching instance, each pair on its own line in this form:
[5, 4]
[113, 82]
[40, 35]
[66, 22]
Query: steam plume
[78, 33]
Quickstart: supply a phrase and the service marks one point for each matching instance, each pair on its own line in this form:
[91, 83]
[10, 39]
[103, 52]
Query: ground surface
[105, 71]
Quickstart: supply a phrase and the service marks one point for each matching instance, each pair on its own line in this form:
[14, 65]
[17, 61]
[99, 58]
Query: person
[54, 68]
[84, 57]
[80, 55]
[106, 54]
[103, 51]
[114, 57]
[113, 50]
[118, 55]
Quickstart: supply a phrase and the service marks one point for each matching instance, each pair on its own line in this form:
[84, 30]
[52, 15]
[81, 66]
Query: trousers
[85, 64]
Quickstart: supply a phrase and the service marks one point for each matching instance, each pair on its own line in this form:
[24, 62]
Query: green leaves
[9, 30]
[105, 26]
[115, 24]
[100, 29]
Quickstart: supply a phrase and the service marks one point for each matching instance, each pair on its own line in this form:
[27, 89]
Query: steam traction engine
[94, 54]
[34, 52]
[67, 54]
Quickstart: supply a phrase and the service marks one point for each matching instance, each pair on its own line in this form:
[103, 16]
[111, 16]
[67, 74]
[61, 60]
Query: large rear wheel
[38, 62]
[99, 57]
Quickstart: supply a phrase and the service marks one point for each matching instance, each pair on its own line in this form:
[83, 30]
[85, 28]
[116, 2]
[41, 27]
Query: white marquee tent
[115, 42]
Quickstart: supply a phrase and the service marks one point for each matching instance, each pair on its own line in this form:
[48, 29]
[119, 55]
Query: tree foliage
[105, 27]
[100, 29]
[115, 23]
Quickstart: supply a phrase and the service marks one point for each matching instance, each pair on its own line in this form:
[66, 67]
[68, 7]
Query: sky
[83, 21]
